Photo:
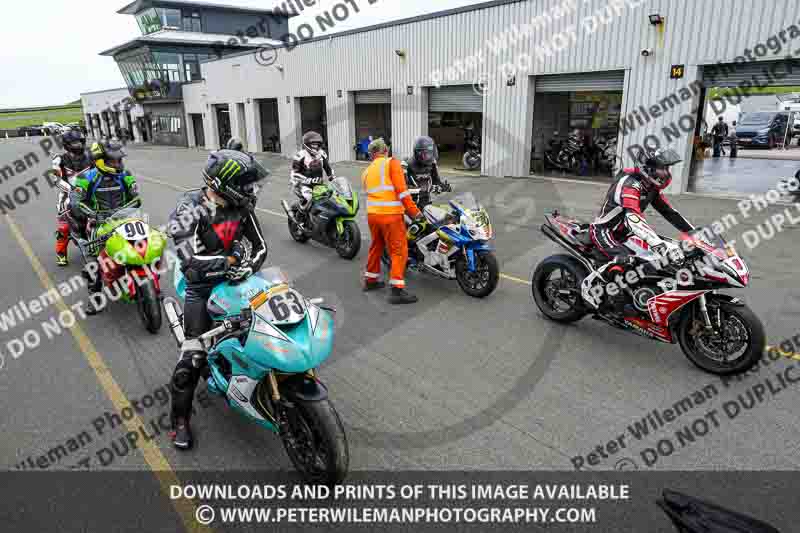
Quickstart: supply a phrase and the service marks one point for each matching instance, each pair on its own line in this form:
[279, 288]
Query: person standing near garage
[734, 140]
[387, 200]
[719, 131]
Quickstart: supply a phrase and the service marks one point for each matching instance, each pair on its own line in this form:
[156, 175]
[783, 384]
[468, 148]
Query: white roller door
[374, 97]
[612, 80]
[455, 99]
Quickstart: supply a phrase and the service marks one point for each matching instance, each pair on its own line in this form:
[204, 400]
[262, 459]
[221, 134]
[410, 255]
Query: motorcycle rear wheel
[471, 161]
[317, 444]
[547, 293]
[295, 231]
[735, 320]
[149, 306]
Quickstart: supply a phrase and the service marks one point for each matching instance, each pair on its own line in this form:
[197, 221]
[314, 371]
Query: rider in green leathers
[102, 189]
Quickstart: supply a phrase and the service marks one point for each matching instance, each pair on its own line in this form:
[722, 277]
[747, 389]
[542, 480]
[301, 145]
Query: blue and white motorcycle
[263, 353]
[453, 243]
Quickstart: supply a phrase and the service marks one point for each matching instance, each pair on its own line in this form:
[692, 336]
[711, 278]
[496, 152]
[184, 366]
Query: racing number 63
[282, 309]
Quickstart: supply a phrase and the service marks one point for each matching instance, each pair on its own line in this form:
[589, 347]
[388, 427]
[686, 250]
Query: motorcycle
[264, 348]
[129, 253]
[453, 243]
[472, 154]
[566, 155]
[606, 154]
[717, 332]
[331, 218]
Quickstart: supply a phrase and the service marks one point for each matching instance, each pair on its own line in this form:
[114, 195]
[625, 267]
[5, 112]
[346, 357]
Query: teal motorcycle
[263, 353]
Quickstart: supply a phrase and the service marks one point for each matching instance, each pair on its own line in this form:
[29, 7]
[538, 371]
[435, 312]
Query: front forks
[703, 303]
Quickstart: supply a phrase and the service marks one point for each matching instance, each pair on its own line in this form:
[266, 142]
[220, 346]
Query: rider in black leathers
[309, 167]
[73, 161]
[421, 169]
[207, 227]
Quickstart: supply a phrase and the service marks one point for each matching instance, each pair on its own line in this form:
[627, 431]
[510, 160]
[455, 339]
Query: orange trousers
[388, 232]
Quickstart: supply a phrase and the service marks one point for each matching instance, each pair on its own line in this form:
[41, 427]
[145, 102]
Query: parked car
[31, 131]
[53, 128]
[762, 128]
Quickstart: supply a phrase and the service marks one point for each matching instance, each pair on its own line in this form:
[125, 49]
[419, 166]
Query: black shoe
[400, 296]
[374, 286]
[92, 308]
[182, 434]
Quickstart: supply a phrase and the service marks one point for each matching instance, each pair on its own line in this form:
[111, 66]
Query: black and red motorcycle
[675, 302]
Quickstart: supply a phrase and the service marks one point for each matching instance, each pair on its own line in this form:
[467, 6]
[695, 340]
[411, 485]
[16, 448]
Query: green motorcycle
[129, 254]
[331, 220]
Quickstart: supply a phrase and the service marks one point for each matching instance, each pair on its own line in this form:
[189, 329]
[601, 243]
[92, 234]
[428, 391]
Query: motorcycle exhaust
[288, 210]
[175, 319]
[558, 239]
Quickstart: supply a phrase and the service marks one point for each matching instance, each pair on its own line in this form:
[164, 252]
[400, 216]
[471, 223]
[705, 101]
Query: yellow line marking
[283, 215]
[790, 355]
[514, 279]
[152, 454]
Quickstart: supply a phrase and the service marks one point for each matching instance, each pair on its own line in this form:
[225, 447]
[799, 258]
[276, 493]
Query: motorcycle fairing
[664, 305]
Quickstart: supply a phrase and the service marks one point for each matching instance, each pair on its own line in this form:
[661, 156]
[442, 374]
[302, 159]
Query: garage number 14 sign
[676, 72]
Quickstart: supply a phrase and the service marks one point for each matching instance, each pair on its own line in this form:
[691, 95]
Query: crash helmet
[108, 156]
[74, 142]
[235, 176]
[312, 142]
[655, 165]
[236, 144]
[425, 151]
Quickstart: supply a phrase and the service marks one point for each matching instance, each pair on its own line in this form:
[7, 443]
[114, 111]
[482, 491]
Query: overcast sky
[49, 53]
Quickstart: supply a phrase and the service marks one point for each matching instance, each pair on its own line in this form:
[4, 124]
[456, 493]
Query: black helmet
[74, 141]
[234, 176]
[655, 165]
[235, 144]
[108, 156]
[425, 151]
[312, 142]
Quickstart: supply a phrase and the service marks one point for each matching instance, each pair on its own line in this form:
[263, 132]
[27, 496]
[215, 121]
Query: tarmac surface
[451, 383]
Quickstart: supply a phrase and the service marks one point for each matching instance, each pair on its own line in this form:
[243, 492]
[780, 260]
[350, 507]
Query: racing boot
[373, 286]
[181, 434]
[62, 242]
[400, 296]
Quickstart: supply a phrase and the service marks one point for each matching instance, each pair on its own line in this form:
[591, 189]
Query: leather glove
[446, 187]
[673, 254]
[240, 271]
[239, 252]
[436, 189]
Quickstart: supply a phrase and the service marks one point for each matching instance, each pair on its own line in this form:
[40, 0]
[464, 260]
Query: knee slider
[183, 376]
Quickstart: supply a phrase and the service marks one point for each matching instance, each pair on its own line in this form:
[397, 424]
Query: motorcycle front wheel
[348, 243]
[148, 305]
[483, 281]
[316, 442]
[734, 345]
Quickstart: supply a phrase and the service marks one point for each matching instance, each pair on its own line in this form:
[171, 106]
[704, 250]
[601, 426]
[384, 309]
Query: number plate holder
[282, 306]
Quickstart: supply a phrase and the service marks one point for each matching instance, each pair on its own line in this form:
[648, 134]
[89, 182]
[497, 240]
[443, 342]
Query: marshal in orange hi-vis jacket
[387, 199]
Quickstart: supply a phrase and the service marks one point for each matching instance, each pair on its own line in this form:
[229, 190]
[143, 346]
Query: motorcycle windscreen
[228, 299]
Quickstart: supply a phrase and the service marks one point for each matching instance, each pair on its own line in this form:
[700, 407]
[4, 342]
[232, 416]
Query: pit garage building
[516, 70]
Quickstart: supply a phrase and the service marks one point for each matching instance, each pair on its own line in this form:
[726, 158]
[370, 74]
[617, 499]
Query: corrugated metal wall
[598, 37]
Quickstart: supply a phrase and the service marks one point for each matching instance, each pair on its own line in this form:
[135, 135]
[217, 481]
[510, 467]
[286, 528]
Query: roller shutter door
[374, 97]
[612, 80]
[734, 74]
[455, 99]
